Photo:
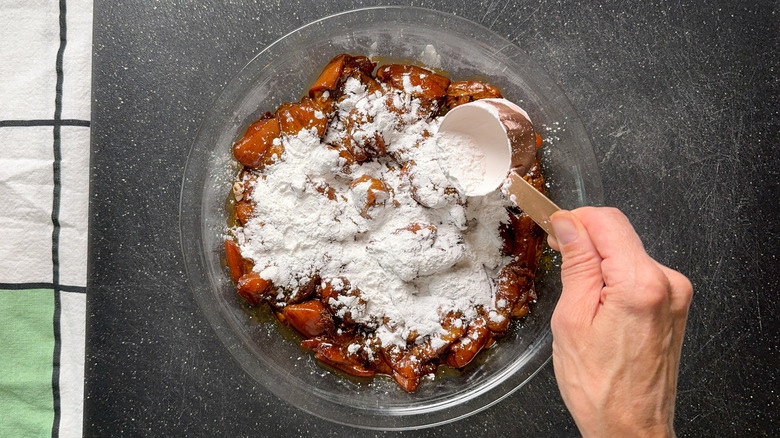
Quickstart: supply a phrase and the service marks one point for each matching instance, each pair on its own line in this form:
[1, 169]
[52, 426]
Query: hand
[618, 327]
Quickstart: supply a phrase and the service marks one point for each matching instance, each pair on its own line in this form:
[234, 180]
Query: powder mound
[417, 251]
[386, 222]
[349, 229]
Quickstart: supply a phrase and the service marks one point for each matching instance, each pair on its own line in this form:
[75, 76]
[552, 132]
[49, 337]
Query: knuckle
[681, 287]
[653, 287]
[614, 212]
[565, 320]
[655, 295]
[558, 322]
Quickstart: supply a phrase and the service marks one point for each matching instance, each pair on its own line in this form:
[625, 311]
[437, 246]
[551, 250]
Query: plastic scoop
[488, 142]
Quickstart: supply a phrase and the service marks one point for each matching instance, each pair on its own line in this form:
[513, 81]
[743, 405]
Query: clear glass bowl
[282, 72]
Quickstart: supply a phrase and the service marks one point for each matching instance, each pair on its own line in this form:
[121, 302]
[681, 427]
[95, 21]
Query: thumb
[581, 268]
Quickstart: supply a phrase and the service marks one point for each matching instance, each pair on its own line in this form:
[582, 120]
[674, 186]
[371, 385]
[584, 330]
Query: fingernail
[564, 227]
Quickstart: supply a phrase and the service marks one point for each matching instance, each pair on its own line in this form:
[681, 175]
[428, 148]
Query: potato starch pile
[421, 251]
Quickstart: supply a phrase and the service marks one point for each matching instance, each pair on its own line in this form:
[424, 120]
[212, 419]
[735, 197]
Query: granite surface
[681, 102]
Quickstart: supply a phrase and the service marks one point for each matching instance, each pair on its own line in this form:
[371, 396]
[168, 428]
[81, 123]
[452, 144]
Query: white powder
[423, 251]
[430, 57]
[463, 160]
[410, 255]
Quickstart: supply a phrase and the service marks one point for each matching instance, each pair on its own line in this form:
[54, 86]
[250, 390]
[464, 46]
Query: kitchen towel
[45, 80]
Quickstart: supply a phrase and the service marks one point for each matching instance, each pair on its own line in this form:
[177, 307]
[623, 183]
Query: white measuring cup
[489, 142]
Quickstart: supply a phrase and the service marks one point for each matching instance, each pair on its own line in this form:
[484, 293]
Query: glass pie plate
[282, 72]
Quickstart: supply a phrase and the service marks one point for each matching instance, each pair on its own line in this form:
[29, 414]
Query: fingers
[581, 268]
[617, 243]
[611, 232]
[603, 258]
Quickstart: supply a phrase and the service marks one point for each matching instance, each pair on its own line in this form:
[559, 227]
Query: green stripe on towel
[26, 346]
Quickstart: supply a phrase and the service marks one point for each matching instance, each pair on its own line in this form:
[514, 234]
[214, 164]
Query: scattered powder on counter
[411, 263]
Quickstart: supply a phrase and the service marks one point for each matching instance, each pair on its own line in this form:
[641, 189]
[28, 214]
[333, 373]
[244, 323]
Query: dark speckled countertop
[680, 99]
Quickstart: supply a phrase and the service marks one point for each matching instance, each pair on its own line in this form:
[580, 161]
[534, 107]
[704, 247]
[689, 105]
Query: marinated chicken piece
[534, 176]
[424, 84]
[410, 384]
[297, 116]
[337, 356]
[419, 359]
[362, 144]
[330, 77]
[371, 84]
[234, 260]
[515, 288]
[245, 210]
[345, 154]
[337, 70]
[342, 299]
[243, 189]
[417, 250]
[522, 238]
[460, 92]
[307, 288]
[453, 328]
[258, 143]
[522, 235]
[463, 351]
[358, 63]
[429, 186]
[245, 184]
[369, 193]
[253, 288]
[309, 318]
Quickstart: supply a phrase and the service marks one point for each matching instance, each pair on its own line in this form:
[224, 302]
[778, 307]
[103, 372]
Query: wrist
[631, 432]
[615, 426]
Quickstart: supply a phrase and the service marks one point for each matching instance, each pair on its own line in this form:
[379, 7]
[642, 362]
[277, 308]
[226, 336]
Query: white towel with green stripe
[45, 82]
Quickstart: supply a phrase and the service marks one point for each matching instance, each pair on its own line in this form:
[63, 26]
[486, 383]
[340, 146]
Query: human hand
[617, 328]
